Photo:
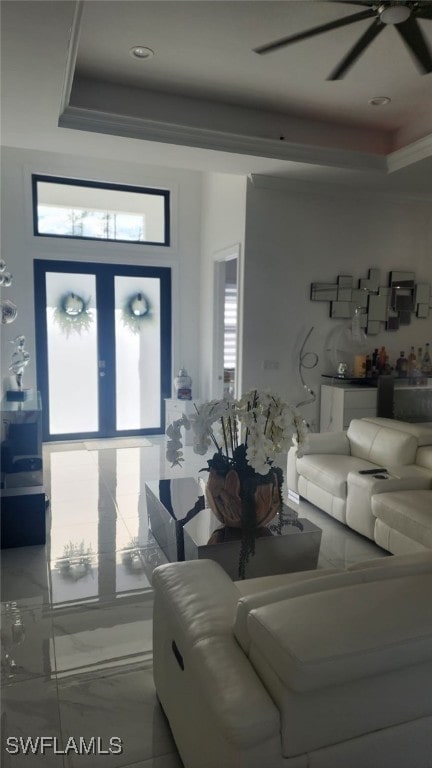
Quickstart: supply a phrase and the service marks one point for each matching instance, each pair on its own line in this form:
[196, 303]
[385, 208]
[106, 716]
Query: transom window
[94, 211]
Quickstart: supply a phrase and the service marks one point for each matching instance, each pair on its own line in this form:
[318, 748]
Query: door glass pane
[72, 353]
[138, 352]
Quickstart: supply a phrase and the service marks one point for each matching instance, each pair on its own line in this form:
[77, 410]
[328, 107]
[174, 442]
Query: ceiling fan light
[394, 14]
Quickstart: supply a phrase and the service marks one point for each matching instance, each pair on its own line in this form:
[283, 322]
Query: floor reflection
[77, 613]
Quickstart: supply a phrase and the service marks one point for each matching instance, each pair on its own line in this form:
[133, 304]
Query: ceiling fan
[402, 15]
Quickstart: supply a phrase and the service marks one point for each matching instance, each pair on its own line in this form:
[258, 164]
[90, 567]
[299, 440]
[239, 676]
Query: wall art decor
[8, 308]
[136, 311]
[391, 305]
[19, 360]
[72, 314]
[307, 361]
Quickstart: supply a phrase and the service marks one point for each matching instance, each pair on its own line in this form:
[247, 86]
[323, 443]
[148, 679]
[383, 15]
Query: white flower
[261, 421]
[174, 454]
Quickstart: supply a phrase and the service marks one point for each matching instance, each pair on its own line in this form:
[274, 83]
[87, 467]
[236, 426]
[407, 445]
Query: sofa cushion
[311, 642]
[381, 445]
[330, 471]
[308, 582]
[267, 584]
[300, 583]
[409, 512]
[422, 432]
[418, 562]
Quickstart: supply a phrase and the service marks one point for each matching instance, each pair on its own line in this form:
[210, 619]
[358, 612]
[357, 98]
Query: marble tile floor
[76, 615]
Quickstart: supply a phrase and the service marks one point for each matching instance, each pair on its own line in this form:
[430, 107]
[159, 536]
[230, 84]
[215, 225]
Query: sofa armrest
[327, 442]
[200, 594]
[316, 442]
[292, 474]
[241, 708]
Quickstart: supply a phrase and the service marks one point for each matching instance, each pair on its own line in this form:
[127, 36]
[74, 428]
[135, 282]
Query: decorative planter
[233, 498]
[243, 502]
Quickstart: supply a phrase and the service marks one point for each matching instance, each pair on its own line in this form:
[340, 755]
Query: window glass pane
[138, 352]
[72, 353]
[78, 210]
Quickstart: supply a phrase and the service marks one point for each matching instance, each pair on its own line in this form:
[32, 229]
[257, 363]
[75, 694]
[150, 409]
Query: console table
[182, 526]
[22, 491]
[344, 399]
[342, 403]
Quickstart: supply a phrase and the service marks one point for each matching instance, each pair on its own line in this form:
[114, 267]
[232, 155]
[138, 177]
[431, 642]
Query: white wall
[223, 224]
[310, 233]
[20, 247]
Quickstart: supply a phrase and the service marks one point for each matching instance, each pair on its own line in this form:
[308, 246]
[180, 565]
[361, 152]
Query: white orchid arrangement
[247, 433]
[244, 489]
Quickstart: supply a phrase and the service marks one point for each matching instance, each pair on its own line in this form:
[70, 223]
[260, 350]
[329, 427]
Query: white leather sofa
[328, 475]
[318, 669]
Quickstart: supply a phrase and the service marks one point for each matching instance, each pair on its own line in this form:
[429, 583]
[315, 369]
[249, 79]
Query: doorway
[103, 340]
[226, 322]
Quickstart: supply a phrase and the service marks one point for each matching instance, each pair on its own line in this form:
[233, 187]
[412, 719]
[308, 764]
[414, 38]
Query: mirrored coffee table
[183, 526]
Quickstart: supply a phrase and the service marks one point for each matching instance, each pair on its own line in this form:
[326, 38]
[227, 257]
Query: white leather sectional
[395, 511]
[318, 669]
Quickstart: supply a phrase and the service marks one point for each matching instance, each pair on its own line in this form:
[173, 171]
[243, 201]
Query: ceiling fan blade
[372, 31]
[413, 38]
[424, 12]
[314, 31]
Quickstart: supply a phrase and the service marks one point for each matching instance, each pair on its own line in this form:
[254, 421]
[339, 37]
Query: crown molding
[351, 188]
[74, 35]
[412, 153]
[82, 119]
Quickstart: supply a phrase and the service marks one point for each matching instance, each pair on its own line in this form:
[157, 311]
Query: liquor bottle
[382, 359]
[402, 365]
[426, 363]
[374, 367]
[368, 366]
[412, 360]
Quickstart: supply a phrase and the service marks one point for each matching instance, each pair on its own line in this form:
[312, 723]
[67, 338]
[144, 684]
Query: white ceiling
[205, 49]
[205, 89]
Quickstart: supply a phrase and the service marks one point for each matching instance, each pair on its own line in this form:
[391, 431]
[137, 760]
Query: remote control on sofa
[371, 471]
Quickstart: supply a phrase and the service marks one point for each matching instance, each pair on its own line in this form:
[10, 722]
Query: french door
[103, 340]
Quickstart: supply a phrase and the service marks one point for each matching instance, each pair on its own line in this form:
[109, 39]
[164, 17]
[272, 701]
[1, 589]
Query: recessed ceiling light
[141, 52]
[379, 101]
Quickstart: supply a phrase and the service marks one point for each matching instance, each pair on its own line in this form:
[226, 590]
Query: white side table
[174, 409]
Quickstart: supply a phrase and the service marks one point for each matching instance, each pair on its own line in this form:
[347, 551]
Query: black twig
[231, 434]
[224, 435]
